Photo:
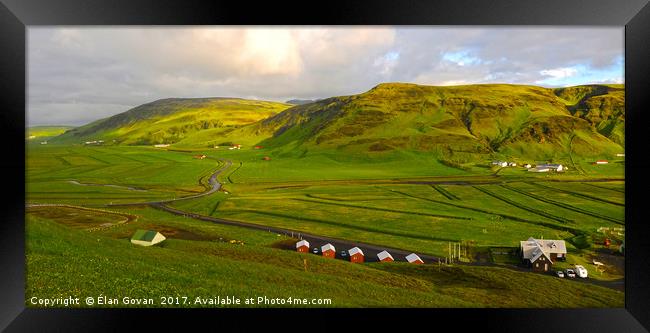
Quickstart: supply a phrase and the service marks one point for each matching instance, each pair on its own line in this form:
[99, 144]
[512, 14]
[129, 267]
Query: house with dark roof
[539, 254]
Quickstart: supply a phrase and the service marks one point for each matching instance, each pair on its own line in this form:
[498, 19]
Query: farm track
[520, 206]
[510, 217]
[233, 172]
[343, 225]
[384, 209]
[444, 192]
[563, 205]
[605, 188]
[577, 194]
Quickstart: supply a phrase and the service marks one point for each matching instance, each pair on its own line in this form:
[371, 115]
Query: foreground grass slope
[199, 260]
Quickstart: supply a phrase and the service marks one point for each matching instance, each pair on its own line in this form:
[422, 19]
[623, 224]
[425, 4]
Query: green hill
[171, 120]
[42, 132]
[456, 122]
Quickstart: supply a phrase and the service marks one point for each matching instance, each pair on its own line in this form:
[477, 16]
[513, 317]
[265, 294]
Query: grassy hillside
[43, 132]
[171, 120]
[457, 123]
[603, 106]
[199, 260]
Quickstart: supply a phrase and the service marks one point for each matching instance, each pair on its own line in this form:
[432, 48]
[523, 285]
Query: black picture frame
[17, 15]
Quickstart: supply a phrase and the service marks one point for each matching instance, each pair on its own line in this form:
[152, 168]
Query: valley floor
[419, 208]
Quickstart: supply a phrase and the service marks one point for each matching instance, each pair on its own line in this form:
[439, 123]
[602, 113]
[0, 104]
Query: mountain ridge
[450, 121]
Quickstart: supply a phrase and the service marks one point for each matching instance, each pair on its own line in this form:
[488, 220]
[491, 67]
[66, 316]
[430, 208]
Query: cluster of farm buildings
[546, 167]
[536, 168]
[355, 254]
[537, 254]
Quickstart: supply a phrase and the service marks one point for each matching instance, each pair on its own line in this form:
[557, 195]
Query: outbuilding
[356, 255]
[384, 256]
[602, 162]
[414, 259]
[147, 237]
[302, 246]
[328, 250]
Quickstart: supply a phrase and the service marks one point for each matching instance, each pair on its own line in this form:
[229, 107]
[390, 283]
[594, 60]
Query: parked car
[315, 250]
[559, 274]
[581, 271]
[570, 273]
[344, 253]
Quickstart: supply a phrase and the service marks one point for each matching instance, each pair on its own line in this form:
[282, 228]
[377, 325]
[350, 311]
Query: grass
[401, 166]
[102, 175]
[44, 132]
[253, 267]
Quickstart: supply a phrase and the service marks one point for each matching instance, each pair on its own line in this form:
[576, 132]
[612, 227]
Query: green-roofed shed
[147, 237]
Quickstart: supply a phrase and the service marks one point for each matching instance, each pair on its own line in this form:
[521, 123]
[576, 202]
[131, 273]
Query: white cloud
[559, 73]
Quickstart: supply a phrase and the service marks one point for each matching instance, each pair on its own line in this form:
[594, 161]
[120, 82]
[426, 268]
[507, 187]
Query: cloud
[559, 73]
[76, 75]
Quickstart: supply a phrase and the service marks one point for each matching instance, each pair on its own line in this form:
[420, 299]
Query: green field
[45, 132]
[199, 260]
[401, 166]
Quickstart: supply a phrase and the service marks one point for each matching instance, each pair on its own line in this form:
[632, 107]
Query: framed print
[367, 161]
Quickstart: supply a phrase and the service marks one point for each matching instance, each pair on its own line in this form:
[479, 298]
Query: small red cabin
[414, 259]
[266, 158]
[302, 246]
[384, 256]
[356, 255]
[258, 147]
[328, 250]
[200, 157]
[607, 242]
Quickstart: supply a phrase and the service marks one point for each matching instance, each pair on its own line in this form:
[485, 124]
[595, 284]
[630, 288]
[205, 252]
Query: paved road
[216, 186]
[315, 241]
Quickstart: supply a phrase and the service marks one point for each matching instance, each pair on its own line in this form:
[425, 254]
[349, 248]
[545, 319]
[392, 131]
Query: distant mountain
[455, 123]
[458, 121]
[172, 120]
[301, 101]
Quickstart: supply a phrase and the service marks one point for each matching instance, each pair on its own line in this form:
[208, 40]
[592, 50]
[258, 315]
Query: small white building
[414, 259]
[551, 167]
[162, 145]
[602, 162]
[527, 166]
[147, 237]
[620, 155]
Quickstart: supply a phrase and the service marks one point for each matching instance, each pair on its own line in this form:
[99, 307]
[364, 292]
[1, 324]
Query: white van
[581, 271]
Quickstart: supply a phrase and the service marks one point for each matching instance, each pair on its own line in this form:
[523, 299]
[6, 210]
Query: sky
[80, 74]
